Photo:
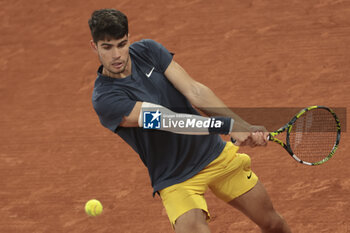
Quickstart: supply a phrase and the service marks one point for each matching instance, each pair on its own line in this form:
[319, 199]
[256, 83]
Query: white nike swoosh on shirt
[150, 73]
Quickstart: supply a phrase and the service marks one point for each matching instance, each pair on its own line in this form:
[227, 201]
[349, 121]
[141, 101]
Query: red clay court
[55, 155]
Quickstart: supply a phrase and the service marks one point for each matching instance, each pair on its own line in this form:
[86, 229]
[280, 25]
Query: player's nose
[115, 53]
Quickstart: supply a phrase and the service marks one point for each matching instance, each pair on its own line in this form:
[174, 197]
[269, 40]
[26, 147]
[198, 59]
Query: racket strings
[313, 135]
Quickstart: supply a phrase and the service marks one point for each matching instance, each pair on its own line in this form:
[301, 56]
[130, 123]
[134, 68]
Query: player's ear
[93, 46]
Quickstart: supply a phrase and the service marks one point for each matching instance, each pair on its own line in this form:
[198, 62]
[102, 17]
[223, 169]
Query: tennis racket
[312, 135]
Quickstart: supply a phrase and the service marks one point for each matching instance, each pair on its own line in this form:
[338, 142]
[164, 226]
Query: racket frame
[288, 128]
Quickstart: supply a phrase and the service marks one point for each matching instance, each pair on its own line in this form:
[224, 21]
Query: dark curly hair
[108, 24]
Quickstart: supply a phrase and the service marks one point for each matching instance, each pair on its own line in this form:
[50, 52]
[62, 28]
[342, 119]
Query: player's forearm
[206, 100]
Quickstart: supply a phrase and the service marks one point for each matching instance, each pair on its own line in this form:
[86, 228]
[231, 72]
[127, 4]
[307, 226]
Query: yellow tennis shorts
[228, 176]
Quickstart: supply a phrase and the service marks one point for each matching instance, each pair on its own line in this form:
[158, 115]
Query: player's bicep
[112, 107]
[132, 119]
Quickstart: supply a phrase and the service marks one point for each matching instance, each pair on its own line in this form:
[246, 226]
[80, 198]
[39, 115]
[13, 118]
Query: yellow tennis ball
[93, 207]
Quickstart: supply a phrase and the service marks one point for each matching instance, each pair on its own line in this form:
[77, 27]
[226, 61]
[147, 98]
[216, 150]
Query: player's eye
[106, 47]
[122, 45]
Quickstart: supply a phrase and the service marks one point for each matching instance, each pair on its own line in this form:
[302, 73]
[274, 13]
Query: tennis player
[140, 81]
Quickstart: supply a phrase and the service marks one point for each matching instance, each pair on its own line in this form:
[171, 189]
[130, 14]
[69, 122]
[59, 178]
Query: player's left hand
[258, 136]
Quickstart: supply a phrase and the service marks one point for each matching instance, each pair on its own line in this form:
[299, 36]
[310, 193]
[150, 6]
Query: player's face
[114, 56]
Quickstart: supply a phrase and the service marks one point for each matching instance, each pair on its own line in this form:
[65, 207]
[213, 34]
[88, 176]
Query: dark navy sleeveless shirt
[170, 158]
